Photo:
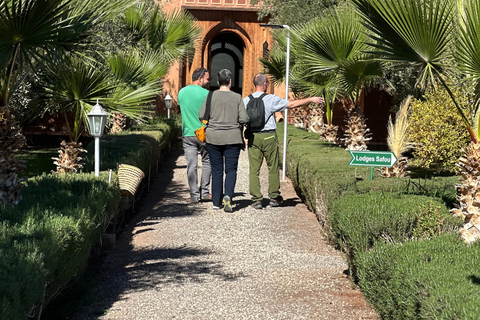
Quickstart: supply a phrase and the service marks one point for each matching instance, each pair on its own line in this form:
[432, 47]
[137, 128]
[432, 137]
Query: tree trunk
[11, 142]
[68, 160]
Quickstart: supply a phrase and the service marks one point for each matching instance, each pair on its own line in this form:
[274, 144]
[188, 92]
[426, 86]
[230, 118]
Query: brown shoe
[194, 200]
[206, 198]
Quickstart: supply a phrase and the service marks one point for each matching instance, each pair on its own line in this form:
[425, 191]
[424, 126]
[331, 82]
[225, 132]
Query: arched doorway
[226, 52]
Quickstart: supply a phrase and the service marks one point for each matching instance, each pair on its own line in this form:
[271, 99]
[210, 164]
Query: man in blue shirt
[264, 143]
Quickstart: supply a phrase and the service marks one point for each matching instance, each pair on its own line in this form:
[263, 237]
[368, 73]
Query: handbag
[200, 132]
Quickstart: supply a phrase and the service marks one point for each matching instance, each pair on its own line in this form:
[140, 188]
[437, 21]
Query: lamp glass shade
[96, 120]
[168, 101]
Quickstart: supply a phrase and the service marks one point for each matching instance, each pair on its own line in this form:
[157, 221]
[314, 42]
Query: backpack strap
[271, 114]
[251, 97]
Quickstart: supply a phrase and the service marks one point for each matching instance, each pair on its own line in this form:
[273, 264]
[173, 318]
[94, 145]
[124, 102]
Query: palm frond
[468, 44]
[411, 31]
[172, 35]
[334, 47]
[416, 32]
[137, 67]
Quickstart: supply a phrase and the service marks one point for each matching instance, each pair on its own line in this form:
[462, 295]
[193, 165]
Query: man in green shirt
[190, 99]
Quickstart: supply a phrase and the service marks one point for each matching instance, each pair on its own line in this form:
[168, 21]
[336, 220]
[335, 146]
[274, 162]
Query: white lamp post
[96, 123]
[287, 73]
[168, 104]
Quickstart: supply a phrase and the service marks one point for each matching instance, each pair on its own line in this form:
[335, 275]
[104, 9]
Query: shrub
[137, 148]
[359, 221]
[45, 242]
[434, 279]
[437, 131]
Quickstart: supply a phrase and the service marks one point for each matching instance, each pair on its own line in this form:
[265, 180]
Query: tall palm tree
[33, 33]
[438, 37]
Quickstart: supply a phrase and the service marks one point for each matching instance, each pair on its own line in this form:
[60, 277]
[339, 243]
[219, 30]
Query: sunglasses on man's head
[203, 73]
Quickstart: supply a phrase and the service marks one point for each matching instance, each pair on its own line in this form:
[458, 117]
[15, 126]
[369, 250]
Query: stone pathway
[177, 260]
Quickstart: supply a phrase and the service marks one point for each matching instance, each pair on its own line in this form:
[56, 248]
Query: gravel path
[177, 260]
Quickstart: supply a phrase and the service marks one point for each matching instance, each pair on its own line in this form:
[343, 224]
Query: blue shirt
[272, 104]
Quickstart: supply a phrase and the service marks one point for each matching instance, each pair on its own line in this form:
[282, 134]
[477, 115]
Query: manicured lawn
[38, 161]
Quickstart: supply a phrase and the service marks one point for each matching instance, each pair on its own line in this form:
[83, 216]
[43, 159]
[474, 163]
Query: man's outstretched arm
[298, 103]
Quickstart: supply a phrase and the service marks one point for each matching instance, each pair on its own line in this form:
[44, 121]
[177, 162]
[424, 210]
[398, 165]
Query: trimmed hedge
[140, 147]
[434, 279]
[45, 240]
[401, 243]
[360, 221]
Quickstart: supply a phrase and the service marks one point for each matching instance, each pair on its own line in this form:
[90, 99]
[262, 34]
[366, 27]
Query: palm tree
[34, 33]
[439, 37]
[171, 37]
[331, 61]
[127, 84]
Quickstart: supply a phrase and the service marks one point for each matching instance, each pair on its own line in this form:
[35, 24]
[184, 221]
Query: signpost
[372, 159]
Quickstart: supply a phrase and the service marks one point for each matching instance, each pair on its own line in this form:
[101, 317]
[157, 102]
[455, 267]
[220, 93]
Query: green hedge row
[434, 279]
[401, 243]
[141, 146]
[45, 241]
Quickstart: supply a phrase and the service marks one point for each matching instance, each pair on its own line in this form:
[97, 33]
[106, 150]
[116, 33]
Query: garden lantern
[168, 104]
[287, 73]
[96, 123]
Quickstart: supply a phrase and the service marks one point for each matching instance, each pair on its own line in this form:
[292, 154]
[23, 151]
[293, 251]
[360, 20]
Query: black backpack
[256, 113]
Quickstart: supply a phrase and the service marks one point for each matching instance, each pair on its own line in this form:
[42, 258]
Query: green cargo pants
[264, 145]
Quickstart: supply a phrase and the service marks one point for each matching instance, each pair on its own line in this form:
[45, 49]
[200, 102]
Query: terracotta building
[231, 38]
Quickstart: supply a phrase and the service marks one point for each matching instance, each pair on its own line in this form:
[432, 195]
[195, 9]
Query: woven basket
[129, 178]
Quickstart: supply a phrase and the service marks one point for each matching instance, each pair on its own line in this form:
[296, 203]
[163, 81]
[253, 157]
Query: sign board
[372, 158]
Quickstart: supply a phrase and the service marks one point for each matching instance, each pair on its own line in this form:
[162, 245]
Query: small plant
[429, 222]
[397, 141]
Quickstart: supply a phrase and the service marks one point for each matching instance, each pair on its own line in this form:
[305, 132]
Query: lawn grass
[39, 161]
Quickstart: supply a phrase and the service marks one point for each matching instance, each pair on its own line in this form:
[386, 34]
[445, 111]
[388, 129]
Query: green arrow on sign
[372, 158]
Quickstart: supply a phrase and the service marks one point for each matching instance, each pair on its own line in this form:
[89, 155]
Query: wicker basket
[129, 178]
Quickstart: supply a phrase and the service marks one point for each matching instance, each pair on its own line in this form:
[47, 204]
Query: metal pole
[168, 113]
[285, 120]
[97, 156]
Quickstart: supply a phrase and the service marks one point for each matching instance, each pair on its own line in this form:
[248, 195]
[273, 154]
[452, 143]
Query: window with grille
[227, 53]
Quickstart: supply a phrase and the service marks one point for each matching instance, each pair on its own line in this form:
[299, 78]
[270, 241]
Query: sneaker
[216, 208]
[257, 205]
[276, 202]
[227, 204]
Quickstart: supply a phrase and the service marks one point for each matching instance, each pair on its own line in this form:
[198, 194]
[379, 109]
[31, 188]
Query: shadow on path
[124, 270]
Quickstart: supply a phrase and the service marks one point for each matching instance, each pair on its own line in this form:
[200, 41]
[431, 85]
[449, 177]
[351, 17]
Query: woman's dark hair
[224, 77]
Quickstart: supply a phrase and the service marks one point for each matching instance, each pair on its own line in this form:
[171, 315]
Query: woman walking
[224, 139]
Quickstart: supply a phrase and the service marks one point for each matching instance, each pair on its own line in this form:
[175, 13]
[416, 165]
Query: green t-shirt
[190, 99]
